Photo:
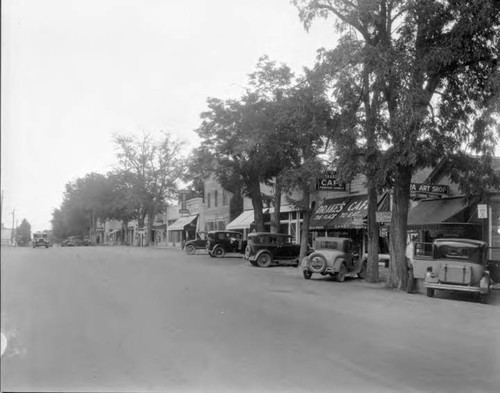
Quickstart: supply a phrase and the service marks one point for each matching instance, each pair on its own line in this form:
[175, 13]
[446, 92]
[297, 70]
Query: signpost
[482, 213]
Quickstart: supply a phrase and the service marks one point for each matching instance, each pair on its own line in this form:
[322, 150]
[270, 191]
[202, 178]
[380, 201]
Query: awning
[346, 212]
[437, 211]
[243, 221]
[181, 223]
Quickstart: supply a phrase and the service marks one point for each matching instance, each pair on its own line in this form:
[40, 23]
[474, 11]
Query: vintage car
[73, 241]
[219, 243]
[333, 256]
[41, 239]
[264, 249]
[193, 245]
[458, 265]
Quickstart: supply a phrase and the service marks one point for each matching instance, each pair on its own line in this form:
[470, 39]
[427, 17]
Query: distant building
[7, 236]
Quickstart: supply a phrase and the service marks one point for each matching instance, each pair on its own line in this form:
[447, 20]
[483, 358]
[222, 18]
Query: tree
[85, 200]
[427, 77]
[305, 120]
[23, 233]
[233, 136]
[148, 173]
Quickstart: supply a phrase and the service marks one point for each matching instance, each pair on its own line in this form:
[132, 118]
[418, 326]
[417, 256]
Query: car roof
[268, 234]
[223, 231]
[459, 240]
[326, 238]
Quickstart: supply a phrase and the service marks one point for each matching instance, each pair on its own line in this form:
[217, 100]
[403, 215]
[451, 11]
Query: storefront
[242, 223]
[444, 218]
[182, 229]
[346, 217]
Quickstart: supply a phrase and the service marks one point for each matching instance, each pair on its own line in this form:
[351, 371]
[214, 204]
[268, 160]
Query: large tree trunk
[147, 235]
[275, 217]
[304, 236]
[257, 204]
[372, 265]
[398, 271]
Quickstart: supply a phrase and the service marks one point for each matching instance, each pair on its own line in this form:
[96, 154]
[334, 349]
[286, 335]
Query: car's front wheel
[430, 292]
[264, 260]
[190, 249]
[307, 274]
[341, 273]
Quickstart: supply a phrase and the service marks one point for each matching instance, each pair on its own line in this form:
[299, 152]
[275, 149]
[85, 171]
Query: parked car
[193, 245]
[459, 265]
[333, 256]
[72, 241]
[220, 243]
[40, 239]
[265, 248]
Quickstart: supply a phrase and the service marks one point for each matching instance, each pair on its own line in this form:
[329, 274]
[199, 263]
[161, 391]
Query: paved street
[130, 319]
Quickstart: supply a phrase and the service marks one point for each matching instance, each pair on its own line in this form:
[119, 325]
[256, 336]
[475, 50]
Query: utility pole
[12, 231]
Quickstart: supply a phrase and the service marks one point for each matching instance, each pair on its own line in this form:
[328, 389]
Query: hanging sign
[438, 189]
[330, 183]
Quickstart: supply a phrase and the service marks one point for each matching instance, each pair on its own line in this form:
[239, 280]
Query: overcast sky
[76, 72]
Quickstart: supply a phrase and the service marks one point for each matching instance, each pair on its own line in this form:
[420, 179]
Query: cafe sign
[330, 183]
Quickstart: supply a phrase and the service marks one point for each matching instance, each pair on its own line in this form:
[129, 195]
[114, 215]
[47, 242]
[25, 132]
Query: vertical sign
[183, 197]
[482, 210]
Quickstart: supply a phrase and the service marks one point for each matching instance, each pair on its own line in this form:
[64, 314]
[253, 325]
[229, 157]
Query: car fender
[337, 263]
[305, 263]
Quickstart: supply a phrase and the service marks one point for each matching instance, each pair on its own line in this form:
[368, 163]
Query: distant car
[222, 242]
[267, 248]
[40, 239]
[72, 241]
[193, 245]
[459, 265]
[333, 256]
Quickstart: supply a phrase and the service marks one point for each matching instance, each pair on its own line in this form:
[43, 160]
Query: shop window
[216, 198]
[208, 199]
[224, 198]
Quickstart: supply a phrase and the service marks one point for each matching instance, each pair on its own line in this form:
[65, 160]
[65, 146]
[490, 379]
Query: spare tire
[317, 262]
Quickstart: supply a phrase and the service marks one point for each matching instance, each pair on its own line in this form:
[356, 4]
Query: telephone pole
[12, 231]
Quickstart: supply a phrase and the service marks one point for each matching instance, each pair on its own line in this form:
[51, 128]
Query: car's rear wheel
[341, 273]
[430, 292]
[190, 249]
[253, 263]
[219, 252]
[307, 274]
[264, 260]
[317, 263]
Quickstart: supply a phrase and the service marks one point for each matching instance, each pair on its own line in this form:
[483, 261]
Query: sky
[75, 73]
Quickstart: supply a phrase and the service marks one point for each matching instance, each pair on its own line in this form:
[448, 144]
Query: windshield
[463, 252]
[329, 245]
